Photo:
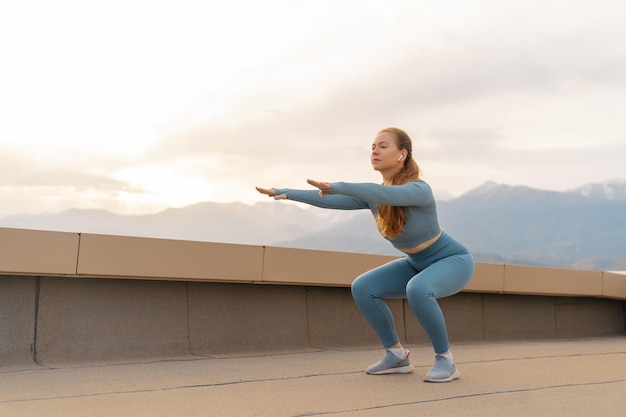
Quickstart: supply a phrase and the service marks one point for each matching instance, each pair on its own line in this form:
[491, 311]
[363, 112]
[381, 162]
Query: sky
[135, 106]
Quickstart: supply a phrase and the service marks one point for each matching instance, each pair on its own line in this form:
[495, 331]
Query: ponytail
[391, 219]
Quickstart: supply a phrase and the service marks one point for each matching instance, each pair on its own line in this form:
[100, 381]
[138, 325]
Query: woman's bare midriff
[422, 246]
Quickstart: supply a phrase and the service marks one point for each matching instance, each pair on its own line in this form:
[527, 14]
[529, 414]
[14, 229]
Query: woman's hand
[272, 193]
[323, 186]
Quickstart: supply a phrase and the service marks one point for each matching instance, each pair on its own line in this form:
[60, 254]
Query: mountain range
[584, 228]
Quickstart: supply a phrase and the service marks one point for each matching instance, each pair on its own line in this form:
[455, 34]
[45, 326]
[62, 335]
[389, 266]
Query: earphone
[399, 158]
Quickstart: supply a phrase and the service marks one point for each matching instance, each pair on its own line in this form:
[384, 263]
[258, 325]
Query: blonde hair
[391, 219]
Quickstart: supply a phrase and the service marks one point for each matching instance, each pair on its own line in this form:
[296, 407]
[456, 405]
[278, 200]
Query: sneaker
[443, 371]
[390, 364]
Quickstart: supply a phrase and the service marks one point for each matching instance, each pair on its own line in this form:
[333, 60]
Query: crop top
[415, 197]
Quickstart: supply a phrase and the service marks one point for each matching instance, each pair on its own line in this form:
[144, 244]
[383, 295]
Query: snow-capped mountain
[609, 190]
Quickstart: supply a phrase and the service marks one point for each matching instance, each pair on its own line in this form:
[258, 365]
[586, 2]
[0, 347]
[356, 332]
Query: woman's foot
[444, 370]
[391, 364]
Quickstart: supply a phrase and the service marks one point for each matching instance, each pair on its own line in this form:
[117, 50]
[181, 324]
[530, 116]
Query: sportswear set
[442, 269]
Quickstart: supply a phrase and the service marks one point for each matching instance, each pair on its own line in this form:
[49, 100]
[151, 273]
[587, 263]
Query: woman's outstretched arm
[315, 198]
[414, 193]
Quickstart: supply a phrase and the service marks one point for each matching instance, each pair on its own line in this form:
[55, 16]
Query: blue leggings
[441, 270]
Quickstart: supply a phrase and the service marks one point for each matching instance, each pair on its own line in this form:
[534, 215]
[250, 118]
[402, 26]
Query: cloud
[20, 170]
[199, 101]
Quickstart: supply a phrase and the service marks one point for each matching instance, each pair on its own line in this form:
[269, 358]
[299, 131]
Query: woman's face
[385, 153]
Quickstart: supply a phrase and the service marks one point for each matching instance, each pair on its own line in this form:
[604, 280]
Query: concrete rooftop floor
[579, 377]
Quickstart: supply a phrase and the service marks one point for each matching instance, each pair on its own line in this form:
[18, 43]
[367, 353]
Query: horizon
[445, 197]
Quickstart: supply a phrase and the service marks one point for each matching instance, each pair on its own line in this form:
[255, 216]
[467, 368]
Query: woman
[435, 264]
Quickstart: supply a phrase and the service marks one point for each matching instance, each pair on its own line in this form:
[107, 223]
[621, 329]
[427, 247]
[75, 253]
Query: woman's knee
[417, 290]
[359, 287]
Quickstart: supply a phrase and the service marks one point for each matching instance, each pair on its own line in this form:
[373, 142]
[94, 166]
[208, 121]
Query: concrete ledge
[29, 252]
[300, 266]
[614, 285]
[551, 281]
[36, 252]
[133, 257]
[487, 278]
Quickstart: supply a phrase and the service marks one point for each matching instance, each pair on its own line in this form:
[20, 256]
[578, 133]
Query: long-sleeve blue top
[415, 197]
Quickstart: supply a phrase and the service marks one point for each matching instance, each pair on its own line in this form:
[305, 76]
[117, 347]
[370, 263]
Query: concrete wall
[56, 320]
[73, 298]
[18, 297]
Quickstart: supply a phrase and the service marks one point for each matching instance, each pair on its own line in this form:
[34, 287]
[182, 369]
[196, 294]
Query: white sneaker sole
[398, 370]
[452, 377]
